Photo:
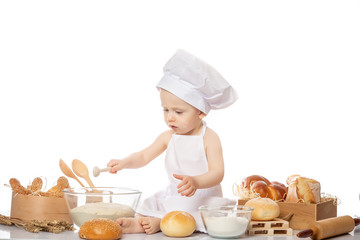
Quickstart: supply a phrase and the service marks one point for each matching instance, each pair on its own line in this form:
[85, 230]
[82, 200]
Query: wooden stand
[269, 228]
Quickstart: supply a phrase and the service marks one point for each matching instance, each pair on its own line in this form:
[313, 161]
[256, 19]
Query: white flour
[226, 226]
[100, 210]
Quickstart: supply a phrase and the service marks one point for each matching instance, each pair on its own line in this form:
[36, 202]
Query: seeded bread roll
[100, 228]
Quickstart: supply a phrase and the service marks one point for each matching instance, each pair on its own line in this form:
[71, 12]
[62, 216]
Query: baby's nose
[171, 117]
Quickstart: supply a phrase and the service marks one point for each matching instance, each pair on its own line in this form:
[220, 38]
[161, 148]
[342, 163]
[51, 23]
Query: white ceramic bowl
[229, 221]
[101, 202]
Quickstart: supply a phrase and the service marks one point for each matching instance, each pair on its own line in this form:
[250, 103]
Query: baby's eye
[179, 112]
[165, 110]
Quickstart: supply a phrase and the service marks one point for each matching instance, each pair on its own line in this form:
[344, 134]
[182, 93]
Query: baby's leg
[130, 225]
[151, 225]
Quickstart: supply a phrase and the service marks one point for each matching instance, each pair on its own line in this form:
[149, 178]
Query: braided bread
[259, 186]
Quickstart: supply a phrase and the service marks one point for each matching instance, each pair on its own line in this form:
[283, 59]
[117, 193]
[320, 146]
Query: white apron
[185, 155]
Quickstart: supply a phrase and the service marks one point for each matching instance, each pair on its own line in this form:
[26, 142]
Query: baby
[194, 162]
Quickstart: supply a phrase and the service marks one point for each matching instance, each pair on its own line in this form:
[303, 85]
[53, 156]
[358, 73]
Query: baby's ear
[202, 115]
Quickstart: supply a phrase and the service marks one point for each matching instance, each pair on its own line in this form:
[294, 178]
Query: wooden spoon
[67, 171]
[81, 170]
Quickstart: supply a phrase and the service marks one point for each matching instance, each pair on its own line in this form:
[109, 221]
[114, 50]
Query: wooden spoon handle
[88, 180]
[79, 181]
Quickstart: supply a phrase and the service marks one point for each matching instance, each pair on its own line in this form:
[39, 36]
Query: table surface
[13, 232]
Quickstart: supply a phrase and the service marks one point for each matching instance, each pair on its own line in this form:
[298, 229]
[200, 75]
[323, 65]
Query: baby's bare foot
[151, 225]
[130, 225]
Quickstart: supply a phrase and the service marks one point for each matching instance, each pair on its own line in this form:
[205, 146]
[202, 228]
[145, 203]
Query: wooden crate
[303, 213]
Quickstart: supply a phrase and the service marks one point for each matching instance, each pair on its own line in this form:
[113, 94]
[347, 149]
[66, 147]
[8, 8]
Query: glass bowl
[229, 221]
[100, 202]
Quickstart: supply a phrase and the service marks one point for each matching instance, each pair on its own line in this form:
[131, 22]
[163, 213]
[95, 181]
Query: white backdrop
[77, 80]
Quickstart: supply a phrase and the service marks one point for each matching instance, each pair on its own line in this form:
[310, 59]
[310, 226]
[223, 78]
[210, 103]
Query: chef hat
[196, 82]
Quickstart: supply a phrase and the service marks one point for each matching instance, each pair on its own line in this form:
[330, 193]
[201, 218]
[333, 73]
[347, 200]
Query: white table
[12, 232]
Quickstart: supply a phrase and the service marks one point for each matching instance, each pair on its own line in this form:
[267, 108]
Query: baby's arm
[143, 157]
[215, 173]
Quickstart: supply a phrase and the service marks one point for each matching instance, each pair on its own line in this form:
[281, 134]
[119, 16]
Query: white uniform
[185, 155]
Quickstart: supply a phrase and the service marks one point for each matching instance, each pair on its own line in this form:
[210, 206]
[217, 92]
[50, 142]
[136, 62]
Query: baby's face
[180, 116]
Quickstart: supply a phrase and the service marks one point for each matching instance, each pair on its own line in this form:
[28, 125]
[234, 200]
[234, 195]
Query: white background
[77, 80]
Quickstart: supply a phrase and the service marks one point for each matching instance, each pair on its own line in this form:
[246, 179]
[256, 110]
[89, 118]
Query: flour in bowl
[100, 210]
[225, 227]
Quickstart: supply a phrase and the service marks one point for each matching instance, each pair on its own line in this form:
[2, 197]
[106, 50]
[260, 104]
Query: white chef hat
[196, 82]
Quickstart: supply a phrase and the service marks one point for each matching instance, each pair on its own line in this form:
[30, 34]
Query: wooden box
[304, 213]
[27, 207]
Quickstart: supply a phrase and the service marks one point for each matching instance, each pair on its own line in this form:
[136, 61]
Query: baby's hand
[187, 185]
[115, 165]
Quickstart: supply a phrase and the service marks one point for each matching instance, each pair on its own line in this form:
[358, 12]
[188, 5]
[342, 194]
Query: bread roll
[265, 209]
[100, 228]
[303, 190]
[178, 224]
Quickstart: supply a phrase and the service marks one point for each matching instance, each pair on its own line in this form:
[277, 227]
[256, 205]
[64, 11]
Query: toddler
[189, 89]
